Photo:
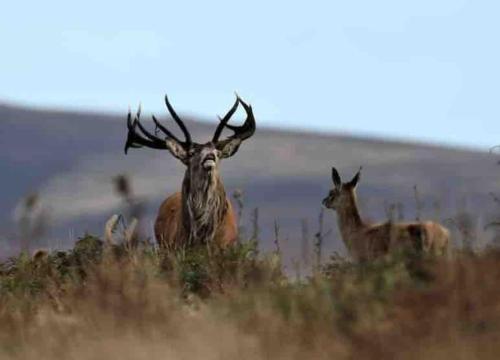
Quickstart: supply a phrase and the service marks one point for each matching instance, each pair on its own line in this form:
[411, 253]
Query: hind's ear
[354, 181]
[336, 178]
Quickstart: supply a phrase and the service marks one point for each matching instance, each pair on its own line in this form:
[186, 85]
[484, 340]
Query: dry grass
[93, 303]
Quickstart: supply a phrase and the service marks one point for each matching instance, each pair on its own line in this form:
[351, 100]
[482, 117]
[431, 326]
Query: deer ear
[336, 178]
[177, 150]
[228, 147]
[354, 181]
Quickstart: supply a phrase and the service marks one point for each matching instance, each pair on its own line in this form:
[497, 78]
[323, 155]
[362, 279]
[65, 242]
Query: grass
[97, 302]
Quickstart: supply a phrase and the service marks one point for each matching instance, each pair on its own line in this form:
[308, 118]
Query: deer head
[341, 193]
[199, 158]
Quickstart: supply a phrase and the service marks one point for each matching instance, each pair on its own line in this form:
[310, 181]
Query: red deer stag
[368, 241]
[201, 212]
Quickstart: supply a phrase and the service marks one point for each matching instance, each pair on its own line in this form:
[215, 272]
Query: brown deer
[200, 213]
[367, 241]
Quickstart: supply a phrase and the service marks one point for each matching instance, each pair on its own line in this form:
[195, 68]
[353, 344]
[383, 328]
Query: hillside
[70, 158]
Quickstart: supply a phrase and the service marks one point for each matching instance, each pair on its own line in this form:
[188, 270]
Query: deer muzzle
[209, 162]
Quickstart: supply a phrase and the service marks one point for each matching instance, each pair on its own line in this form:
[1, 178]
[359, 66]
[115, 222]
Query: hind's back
[438, 238]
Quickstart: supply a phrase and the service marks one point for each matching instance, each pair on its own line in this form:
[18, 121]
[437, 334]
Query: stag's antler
[240, 132]
[137, 140]
[224, 120]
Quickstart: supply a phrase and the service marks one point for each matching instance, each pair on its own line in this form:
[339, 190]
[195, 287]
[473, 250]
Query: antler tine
[164, 129]
[248, 128]
[244, 131]
[224, 120]
[147, 133]
[143, 129]
[136, 140]
[178, 120]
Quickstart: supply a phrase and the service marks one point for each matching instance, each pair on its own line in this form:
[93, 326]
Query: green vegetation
[98, 301]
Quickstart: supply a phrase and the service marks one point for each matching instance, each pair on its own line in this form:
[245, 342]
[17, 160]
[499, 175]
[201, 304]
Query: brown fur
[170, 233]
[368, 241]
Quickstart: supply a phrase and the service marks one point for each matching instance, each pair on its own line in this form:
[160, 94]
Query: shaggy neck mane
[204, 205]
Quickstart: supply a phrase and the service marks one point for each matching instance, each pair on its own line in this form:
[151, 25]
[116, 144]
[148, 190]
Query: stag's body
[185, 216]
[201, 212]
[366, 241]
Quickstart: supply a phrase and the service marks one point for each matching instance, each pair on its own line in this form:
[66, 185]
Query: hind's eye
[191, 152]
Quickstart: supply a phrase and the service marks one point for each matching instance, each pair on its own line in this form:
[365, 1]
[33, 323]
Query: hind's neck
[349, 220]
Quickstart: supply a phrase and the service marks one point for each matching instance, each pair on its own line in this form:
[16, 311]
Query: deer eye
[191, 152]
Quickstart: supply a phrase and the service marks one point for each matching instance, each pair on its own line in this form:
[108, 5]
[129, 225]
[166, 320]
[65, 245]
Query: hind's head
[341, 192]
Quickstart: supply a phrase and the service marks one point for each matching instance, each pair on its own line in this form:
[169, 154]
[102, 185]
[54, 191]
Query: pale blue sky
[426, 70]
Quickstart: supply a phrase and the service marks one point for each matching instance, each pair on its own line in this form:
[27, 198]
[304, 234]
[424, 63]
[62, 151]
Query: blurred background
[408, 90]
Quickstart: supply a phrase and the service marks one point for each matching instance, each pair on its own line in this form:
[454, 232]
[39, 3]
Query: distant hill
[70, 158]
